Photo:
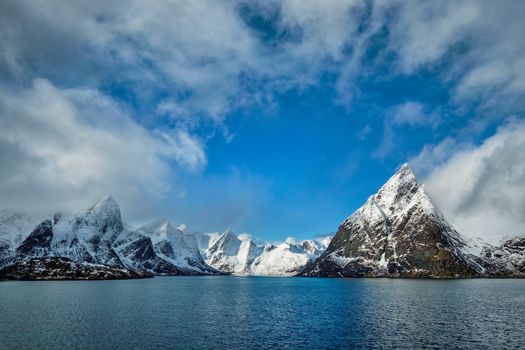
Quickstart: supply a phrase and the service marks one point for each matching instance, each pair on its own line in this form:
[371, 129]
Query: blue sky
[273, 118]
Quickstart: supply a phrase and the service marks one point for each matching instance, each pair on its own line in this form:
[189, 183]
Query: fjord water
[262, 312]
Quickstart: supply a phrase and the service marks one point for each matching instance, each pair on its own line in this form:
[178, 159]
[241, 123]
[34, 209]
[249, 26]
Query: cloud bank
[58, 152]
[481, 188]
[122, 96]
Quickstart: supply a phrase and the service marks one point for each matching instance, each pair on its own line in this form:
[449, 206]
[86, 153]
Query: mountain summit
[398, 232]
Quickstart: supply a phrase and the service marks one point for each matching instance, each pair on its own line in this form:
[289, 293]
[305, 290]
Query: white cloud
[65, 148]
[482, 189]
[193, 60]
[432, 156]
[204, 53]
[424, 31]
[478, 45]
[184, 148]
[211, 61]
[410, 113]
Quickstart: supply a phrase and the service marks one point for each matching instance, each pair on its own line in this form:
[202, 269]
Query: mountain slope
[397, 233]
[244, 256]
[505, 260]
[287, 258]
[98, 237]
[176, 247]
[14, 227]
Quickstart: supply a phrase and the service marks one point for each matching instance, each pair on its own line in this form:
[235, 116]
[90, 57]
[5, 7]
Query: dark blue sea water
[262, 312]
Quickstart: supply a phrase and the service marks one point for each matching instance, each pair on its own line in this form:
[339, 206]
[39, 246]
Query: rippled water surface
[262, 312]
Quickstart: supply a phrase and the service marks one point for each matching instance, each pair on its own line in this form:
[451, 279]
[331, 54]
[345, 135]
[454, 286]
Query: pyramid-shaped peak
[398, 190]
[404, 177]
[107, 199]
[162, 224]
[228, 233]
[226, 237]
[106, 204]
[405, 173]
[105, 215]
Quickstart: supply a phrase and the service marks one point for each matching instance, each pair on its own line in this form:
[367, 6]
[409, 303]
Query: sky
[275, 118]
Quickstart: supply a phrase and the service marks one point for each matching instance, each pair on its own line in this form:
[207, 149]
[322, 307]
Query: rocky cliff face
[174, 247]
[397, 233]
[505, 260]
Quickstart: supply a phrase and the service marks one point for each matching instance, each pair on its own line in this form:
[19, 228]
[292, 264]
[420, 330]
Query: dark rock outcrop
[38, 242]
[60, 268]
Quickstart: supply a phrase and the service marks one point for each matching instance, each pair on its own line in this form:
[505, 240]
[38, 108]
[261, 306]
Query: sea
[229, 312]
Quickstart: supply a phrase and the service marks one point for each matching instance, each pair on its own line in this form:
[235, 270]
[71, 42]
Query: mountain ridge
[397, 232]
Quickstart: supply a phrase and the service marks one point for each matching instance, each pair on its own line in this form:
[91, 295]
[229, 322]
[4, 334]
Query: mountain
[398, 232]
[86, 237]
[287, 258]
[176, 247]
[98, 237]
[505, 260]
[231, 254]
[13, 228]
[225, 253]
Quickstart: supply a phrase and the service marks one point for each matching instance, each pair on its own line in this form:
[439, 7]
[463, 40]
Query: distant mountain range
[398, 232]
[98, 245]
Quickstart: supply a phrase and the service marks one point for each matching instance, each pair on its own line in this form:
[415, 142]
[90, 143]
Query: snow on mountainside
[176, 246]
[504, 260]
[88, 237]
[225, 254]
[287, 258]
[14, 227]
[398, 232]
[244, 256]
[98, 236]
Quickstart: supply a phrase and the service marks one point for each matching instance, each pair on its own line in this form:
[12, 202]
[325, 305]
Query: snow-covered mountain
[398, 232]
[14, 227]
[176, 246]
[98, 236]
[287, 258]
[229, 253]
[504, 260]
